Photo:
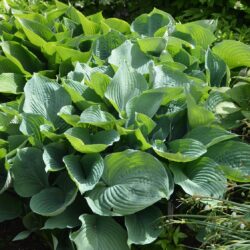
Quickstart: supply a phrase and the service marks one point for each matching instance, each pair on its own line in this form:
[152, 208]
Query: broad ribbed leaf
[118, 24]
[30, 126]
[210, 136]
[67, 113]
[53, 155]
[7, 66]
[166, 76]
[148, 24]
[38, 28]
[214, 99]
[240, 93]
[96, 117]
[144, 123]
[210, 24]
[28, 172]
[103, 46]
[216, 69]
[56, 13]
[68, 218]
[99, 83]
[45, 97]
[17, 141]
[84, 71]
[81, 95]
[84, 142]
[85, 171]
[10, 207]
[181, 150]
[132, 54]
[143, 227]
[198, 115]
[234, 157]
[11, 107]
[200, 178]
[54, 200]
[100, 233]
[226, 108]
[140, 104]
[229, 50]
[152, 45]
[36, 32]
[21, 56]
[64, 53]
[126, 84]
[200, 34]
[11, 83]
[132, 181]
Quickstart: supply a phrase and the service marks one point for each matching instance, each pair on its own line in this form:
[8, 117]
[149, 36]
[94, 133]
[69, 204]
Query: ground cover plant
[122, 136]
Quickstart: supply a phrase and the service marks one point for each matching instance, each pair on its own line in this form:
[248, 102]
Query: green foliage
[104, 125]
[233, 16]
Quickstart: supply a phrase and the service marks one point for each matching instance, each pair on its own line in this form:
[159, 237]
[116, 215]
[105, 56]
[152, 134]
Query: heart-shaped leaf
[210, 136]
[234, 157]
[126, 84]
[45, 97]
[132, 54]
[29, 168]
[85, 171]
[143, 227]
[129, 185]
[96, 117]
[228, 50]
[99, 232]
[54, 200]
[200, 178]
[85, 142]
[181, 150]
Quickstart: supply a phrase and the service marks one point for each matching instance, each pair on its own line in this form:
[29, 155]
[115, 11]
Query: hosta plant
[105, 125]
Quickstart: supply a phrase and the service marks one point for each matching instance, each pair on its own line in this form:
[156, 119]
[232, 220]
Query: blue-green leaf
[131, 181]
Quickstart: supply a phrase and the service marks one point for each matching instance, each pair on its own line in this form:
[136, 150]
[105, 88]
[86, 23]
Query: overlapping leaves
[100, 119]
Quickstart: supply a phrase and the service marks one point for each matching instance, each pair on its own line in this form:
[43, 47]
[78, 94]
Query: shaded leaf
[28, 168]
[99, 232]
[200, 178]
[52, 201]
[234, 157]
[181, 150]
[7, 210]
[85, 171]
[143, 227]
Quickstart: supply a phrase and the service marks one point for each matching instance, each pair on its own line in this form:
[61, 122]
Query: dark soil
[9, 229]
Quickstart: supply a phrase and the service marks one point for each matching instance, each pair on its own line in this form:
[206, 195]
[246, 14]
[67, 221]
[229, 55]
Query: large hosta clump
[100, 120]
